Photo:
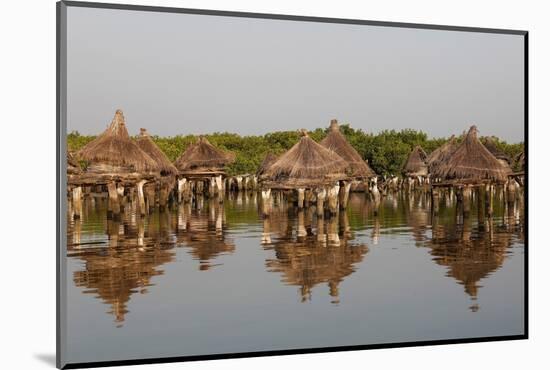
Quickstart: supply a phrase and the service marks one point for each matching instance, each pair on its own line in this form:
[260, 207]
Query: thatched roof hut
[203, 158]
[269, 159]
[335, 141]
[73, 167]
[441, 154]
[306, 164]
[490, 144]
[115, 152]
[147, 144]
[520, 161]
[472, 161]
[416, 163]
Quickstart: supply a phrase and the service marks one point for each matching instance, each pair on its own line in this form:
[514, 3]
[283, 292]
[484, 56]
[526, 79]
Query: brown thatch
[115, 151]
[203, 156]
[307, 163]
[269, 159]
[441, 154]
[520, 161]
[472, 161]
[147, 144]
[73, 167]
[416, 163]
[491, 145]
[336, 142]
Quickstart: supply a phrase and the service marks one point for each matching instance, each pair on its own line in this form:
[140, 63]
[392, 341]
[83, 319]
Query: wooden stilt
[344, 194]
[435, 200]
[301, 194]
[321, 196]
[113, 200]
[140, 197]
[77, 202]
[333, 199]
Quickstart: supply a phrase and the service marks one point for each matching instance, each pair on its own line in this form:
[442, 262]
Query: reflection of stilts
[332, 233]
[266, 231]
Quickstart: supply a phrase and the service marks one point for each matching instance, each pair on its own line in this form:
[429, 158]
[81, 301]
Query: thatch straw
[203, 155]
[269, 159]
[73, 167]
[114, 148]
[472, 161]
[146, 144]
[441, 154]
[416, 163]
[307, 163]
[336, 142]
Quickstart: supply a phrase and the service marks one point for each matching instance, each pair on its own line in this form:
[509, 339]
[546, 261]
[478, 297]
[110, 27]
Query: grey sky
[181, 74]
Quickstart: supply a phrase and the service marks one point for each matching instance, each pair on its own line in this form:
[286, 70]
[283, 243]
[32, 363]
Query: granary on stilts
[114, 160]
[358, 169]
[440, 155]
[166, 178]
[415, 169]
[309, 171]
[201, 170]
[472, 165]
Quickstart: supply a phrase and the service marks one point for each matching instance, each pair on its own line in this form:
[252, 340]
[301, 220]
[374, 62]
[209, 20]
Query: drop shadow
[47, 358]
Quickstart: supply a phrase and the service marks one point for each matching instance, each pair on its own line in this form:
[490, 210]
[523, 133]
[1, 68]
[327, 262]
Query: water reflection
[310, 250]
[116, 259]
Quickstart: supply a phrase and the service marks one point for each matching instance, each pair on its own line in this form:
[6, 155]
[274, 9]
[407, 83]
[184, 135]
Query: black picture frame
[61, 8]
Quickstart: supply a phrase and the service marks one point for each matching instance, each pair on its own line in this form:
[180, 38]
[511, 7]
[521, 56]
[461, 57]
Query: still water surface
[222, 279]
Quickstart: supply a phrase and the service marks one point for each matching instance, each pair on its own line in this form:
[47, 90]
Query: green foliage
[386, 151]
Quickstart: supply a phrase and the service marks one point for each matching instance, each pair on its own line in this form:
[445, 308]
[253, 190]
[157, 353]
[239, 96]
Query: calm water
[221, 279]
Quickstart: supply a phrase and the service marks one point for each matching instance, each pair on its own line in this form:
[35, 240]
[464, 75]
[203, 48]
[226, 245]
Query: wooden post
[467, 199]
[163, 196]
[113, 199]
[77, 202]
[150, 196]
[181, 187]
[266, 202]
[344, 194]
[321, 196]
[435, 200]
[375, 195]
[141, 198]
[219, 185]
[333, 199]
[300, 198]
[239, 183]
[489, 190]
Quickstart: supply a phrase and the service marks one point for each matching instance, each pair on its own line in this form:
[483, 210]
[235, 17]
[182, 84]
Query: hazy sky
[181, 74]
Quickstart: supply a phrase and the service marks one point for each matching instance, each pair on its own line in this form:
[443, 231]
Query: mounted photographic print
[238, 184]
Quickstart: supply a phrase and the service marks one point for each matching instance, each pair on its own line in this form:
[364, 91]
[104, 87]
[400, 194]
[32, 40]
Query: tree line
[386, 151]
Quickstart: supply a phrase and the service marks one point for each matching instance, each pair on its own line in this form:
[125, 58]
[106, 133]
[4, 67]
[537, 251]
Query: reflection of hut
[308, 166]
[441, 154]
[113, 275]
[335, 141]
[306, 265]
[202, 162]
[472, 161]
[491, 145]
[114, 151]
[469, 259]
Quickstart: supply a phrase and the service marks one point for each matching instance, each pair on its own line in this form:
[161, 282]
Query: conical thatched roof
[269, 159]
[203, 156]
[146, 144]
[307, 163]
[472, 161]
[114, 150]
[416, 163]
[336, 142]
[441, 154]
